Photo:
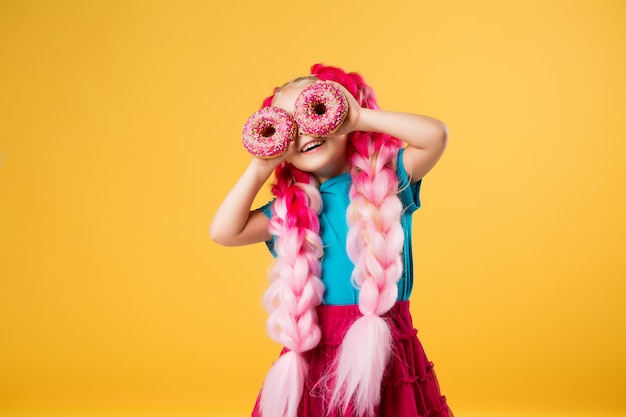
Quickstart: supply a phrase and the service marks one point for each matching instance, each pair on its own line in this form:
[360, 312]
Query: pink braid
[296, 288]
[374, 244]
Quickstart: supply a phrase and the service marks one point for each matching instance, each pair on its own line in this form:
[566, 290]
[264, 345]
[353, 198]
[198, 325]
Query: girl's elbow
[442, 136]
[218, 236]
[443, 132]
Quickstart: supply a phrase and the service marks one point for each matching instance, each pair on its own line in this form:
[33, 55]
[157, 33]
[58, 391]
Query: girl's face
[324, 157]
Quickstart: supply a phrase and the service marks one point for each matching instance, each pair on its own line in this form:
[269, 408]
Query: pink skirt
[409, 388]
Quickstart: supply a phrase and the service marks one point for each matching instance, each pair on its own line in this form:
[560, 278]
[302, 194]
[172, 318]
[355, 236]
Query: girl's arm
[426, 137]
[234, 224]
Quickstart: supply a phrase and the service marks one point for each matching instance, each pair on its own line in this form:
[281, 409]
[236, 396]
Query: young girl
[340, 229]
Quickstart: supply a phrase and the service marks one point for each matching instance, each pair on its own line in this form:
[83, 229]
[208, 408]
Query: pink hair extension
[374, 244]
[295, 288]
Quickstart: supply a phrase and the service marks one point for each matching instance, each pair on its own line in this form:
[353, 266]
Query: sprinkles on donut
[320, 109]
[268, 132]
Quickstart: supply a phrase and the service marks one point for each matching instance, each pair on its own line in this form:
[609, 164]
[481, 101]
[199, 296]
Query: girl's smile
[312, 146]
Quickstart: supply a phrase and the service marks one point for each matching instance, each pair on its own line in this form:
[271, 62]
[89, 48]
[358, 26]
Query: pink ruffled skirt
[409, 388]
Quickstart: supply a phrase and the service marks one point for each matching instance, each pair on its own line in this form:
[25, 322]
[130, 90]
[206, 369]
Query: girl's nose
[301, 133]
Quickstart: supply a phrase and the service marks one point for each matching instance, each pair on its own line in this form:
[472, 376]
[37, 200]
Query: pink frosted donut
[320, 109]
[268, 132]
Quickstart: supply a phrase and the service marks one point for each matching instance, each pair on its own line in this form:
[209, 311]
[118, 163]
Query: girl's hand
[267, 165]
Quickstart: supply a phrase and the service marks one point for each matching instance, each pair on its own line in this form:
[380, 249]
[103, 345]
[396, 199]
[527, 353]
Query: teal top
[336, 265]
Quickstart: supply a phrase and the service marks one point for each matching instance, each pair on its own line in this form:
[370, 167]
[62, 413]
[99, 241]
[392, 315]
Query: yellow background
[120, 133]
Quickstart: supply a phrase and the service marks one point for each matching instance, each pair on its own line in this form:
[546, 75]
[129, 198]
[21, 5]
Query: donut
[268, 132]
[320, 109]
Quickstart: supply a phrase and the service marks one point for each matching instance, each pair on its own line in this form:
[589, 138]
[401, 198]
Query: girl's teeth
[312, 145]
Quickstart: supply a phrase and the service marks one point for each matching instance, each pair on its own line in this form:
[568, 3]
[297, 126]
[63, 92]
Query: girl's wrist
[262, 168]
[363, 123]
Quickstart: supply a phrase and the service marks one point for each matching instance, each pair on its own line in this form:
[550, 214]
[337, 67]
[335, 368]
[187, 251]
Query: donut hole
[319, 109]
[268, 131]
